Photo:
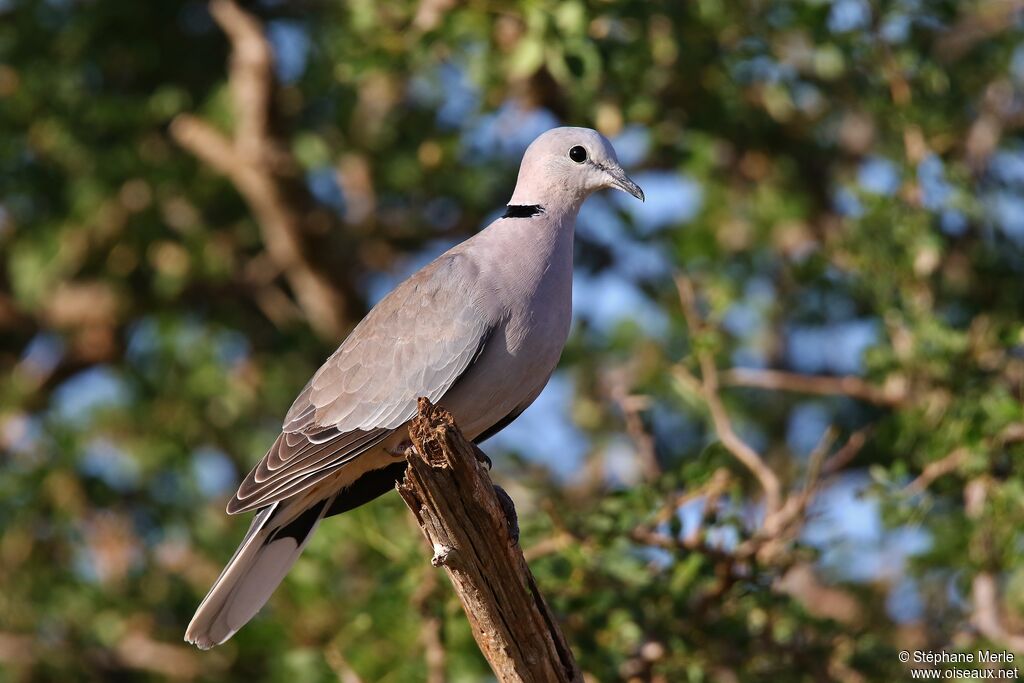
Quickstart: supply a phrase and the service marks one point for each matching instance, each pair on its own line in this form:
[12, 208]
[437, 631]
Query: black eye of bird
[578, 154]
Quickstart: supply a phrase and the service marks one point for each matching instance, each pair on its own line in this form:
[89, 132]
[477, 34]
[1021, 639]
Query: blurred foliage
[861, 191]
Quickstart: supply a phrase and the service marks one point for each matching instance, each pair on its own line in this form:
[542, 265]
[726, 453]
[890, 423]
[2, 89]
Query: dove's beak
[621, 181]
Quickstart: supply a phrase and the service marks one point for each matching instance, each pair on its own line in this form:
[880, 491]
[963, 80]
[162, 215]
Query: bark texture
[455, 504]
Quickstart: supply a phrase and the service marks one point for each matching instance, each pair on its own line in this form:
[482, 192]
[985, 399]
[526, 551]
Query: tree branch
[785, 513]
[251, 76]
[619, 390]
[258, 162]
[708, 384]
[820, 385]
[431, 627]
[847, 452]
[340, 666]
[979, 23]
[986, 614]
[933, 470]
[455, 505]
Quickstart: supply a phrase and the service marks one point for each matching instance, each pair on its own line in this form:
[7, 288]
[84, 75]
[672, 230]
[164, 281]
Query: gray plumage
[479, 330]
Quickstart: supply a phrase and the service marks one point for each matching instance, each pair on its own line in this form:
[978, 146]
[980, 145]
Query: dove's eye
[578, 154]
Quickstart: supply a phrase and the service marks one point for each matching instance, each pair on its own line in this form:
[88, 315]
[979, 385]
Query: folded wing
[416, 342]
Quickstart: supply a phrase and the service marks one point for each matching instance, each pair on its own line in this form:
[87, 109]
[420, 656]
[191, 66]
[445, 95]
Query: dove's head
[566, 165]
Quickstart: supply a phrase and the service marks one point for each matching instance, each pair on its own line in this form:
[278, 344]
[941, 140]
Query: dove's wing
[416, 342]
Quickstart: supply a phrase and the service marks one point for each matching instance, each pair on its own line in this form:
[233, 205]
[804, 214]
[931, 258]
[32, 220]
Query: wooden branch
[820, 385]
[980, 22]
[456, 507]
[619, 388]
[258, 162]
[430, 628]
[708, 385]
[987, 613]
[845, 455]
[340, 666]
[939, 468]
[251, 76]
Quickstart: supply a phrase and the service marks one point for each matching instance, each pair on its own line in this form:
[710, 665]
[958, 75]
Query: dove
[478, 331]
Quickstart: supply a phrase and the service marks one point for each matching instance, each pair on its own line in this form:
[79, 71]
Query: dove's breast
[531, 288]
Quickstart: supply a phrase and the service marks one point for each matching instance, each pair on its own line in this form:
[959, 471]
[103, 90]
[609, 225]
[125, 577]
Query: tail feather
[274, 541]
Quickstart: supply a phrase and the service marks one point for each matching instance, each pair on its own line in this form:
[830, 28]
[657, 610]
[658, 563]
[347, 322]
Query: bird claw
[482, 457]
[402, 450]
[509, 508]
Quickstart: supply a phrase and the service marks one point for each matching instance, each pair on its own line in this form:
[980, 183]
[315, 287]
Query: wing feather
[416, 342]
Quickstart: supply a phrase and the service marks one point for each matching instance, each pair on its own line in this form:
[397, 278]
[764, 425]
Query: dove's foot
[481, 456]
[402, 450]
[509, 508]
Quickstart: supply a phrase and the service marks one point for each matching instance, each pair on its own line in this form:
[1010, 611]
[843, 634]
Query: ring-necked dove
[479, 331]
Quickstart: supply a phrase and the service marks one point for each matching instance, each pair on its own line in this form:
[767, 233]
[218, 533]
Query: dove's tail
[274, 541]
